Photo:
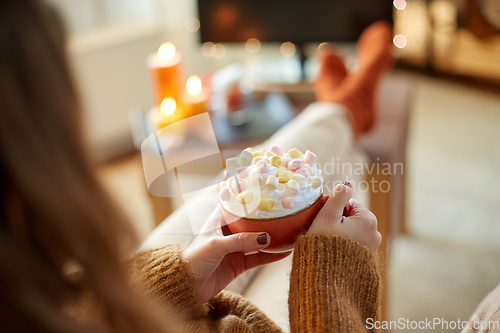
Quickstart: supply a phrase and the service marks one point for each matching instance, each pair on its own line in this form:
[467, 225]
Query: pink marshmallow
[234, 186]
[294, 165]
[304, 172]
[242, 172]
[285, 160]
[262, 167]
[277, 150]
[224, 194]
[288, 202]
[226, 174]
[309, 158]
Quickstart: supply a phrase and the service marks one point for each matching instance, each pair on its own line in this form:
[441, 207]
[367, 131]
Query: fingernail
[262, 239]
[347, 184]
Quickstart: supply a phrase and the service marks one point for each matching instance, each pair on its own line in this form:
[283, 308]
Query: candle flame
[168, 106]
[166, 51]
[193, 85]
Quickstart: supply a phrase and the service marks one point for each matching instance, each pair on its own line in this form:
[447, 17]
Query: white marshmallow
[272, 183]
[232, 164]
[246, 158]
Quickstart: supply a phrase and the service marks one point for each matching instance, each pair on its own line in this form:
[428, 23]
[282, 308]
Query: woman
[62, 238]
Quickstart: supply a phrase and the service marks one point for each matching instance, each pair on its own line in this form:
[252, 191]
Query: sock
[357, 90]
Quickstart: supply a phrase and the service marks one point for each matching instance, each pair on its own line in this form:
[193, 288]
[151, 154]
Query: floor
[450, 258]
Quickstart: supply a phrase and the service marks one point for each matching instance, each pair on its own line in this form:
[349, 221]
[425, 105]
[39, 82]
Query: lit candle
[168, 113]
[195, 98]
[166, 72]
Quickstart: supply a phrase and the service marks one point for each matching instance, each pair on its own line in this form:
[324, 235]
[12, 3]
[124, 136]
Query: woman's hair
[53, 209]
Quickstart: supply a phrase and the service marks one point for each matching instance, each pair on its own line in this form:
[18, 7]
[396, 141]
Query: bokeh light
[220, 51]
[168, 106]
[322, 45]
[192, 24]
[193, 85]
[253, 45]
[166, 51]
[208, 49]
[400, 41]
[287, 49]
[400, 4]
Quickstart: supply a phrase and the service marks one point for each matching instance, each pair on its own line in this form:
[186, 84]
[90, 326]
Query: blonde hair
[54, 210]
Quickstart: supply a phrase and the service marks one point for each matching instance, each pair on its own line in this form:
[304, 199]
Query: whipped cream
[247, 192]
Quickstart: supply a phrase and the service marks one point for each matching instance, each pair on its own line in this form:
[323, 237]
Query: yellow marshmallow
[299, 178]
[295, 153]
[284, 176]
[260, 153]
[315, 182]
[245, 197]
[249, 149]
[266, 204]
[275, 161]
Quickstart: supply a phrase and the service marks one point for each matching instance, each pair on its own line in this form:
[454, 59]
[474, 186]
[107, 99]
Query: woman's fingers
[242, 242]
[334, 207]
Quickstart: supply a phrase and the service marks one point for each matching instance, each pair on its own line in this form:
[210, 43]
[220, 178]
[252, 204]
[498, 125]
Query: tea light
[195, 98]
[166, 72]
[168, 113]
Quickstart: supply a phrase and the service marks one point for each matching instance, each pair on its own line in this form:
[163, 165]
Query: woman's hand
[344, 216]
[214, 260]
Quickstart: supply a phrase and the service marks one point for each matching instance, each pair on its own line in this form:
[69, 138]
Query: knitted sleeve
[334, 285]
[162, 272]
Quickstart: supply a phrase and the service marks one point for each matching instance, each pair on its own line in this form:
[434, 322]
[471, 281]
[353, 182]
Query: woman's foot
[357, 91]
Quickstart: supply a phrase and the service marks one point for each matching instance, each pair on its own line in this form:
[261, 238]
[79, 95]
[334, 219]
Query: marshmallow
[266, 204]
[275, 161]
[277, 150]
[309, 158]
[234, 186]
[246, 158]
[294, 165]
[257, 159]
[283, 175]
[304, 172]
[224, 194]
[262, 167]
[292, 188]
[226, 174]
[242, 172]
[309, 168]
[245, 197]
[249, 149]
[295, 153]
[315, 182]
[272, 183]
[288, 202]
[217, 187]
[231, 165]
[260, 153]
[254, 178]
[285, 160]
[269, 154]
[299, 178]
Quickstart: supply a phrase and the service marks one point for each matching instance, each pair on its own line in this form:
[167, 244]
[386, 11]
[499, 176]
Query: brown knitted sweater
[334, 287]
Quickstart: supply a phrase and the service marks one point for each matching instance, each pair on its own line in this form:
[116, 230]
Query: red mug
[283, 230]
